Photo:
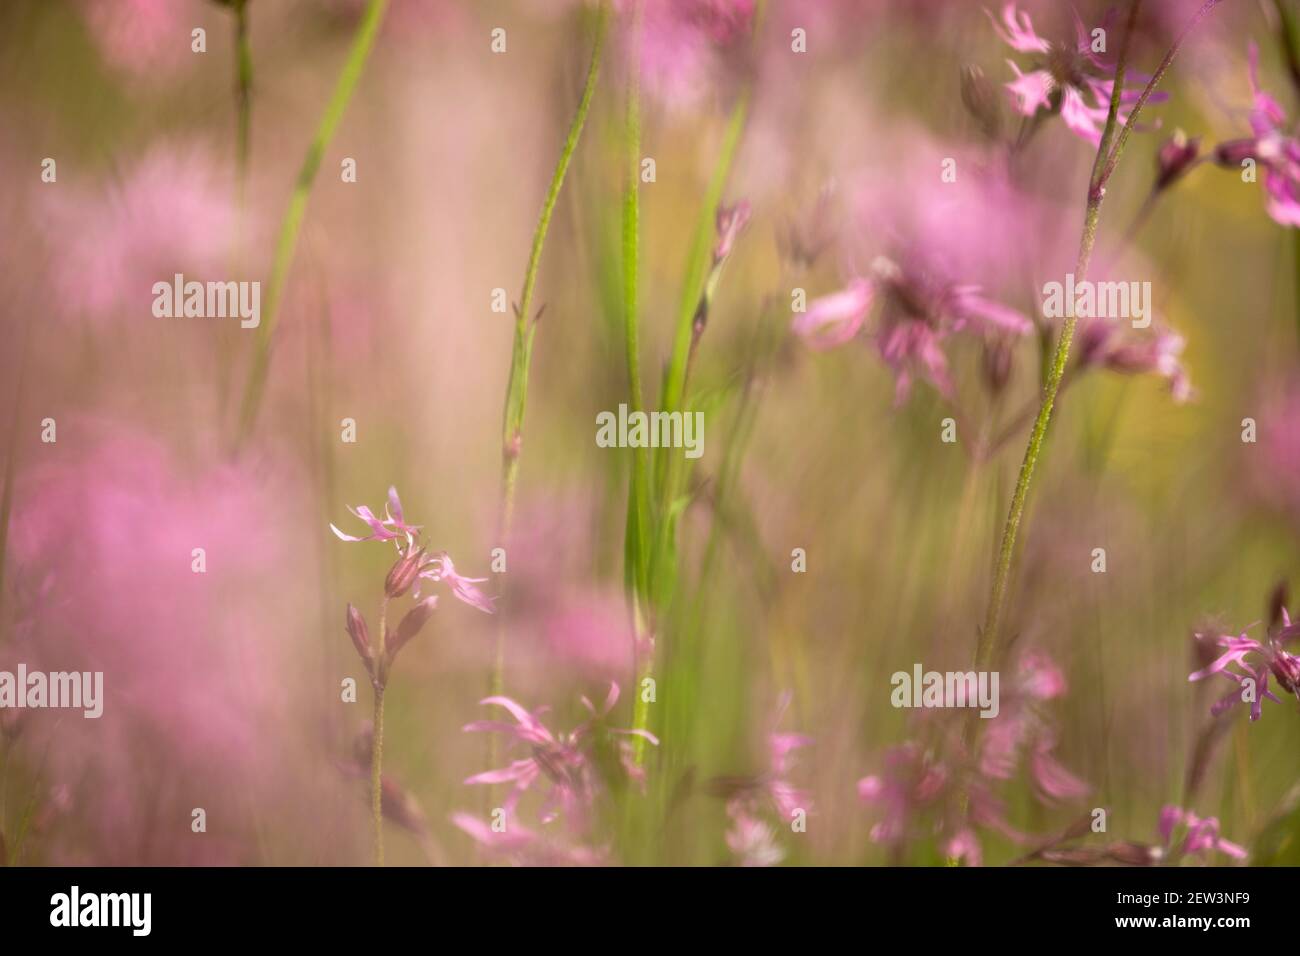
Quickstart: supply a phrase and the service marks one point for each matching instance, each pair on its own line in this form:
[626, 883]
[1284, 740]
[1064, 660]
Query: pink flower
[392, 527]
[564, 761]
[436, 567]
[915, 793]
[525, 847]
[1273, 146]
[686, 45]
[769, 791]
[750, 839]
[170, 212]
[142, 36]
[1067, 76]
[1257, 659]
[834, 319]
[919, 310]
[1202, 835]
[1157, 352]
[440, 568]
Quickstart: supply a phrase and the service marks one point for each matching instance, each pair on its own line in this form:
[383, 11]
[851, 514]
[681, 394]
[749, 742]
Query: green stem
[1103, 167]
[287, 242]
[988, 635]
[1112, 157]
[638, 536]
[521, 355]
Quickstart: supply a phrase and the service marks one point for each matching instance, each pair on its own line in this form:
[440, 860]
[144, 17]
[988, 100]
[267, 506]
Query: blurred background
[222, 688]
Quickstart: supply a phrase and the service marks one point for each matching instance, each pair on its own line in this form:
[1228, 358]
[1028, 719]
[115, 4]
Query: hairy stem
[988, 635]
[1103, 166]
[291, 224]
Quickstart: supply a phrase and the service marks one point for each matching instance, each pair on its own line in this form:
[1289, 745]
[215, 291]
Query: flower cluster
[916, 794]
[1068, 77]
[570, 771]
[414, 564]
[919, 309]
[753, 799]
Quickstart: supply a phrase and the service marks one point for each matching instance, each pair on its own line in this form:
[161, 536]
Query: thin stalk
[639, 487]
[377, 738]
[291, 224]
[1107, 157]
[525, 327]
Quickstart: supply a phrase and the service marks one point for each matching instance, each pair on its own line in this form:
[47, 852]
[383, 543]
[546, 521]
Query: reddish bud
[411, 625]
[1174, 158]
[404, 573]
[359, 633]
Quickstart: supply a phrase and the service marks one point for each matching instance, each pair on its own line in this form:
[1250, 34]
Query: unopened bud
[359, 633]
[1231, 154]
[411, 625]
[1174, 158]
[731, 220]
[404, 573]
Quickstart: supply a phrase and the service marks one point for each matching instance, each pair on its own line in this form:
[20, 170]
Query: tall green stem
[1103, 166]
[526, 326]
[639, 524]
[287, 242]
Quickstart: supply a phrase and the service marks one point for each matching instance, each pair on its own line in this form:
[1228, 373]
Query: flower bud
[731, 220]
[411, 625]
[404, 573]
[359, 633]
[1174, 158]
[1231, 153]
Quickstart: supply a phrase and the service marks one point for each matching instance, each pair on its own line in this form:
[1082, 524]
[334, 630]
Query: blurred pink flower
[1067, 77]
[1157, 351]
[685, 44]
[142, 37]
[1257, 659]
[751, 840]
[525, 847]
[563, 760]
[170, 212]
[440, 569]
[103, 572]
[915, 793]
[1202, 835]
[834, 319]
[770, 790]
[919, 310]
[1274, 146]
